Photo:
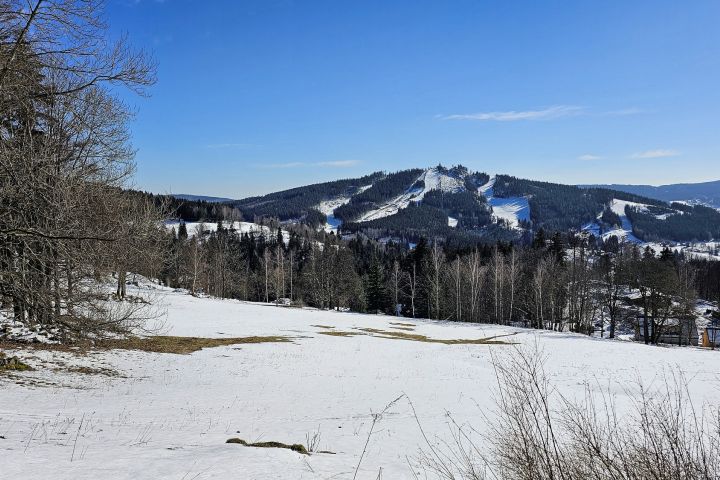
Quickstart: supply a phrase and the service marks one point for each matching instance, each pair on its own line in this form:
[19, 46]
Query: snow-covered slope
[625, 229]
[432, 179]
[624, 232]
[512, 210]
[328, 208]
[166, 416]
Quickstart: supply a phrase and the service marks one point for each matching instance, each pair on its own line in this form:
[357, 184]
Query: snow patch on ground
[452, 222]
[512, 209]
[17, 332]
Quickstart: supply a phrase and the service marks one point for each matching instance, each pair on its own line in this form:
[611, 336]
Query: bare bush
[539, 434]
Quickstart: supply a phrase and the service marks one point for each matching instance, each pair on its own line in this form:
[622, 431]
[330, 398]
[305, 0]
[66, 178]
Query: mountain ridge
[707, 193]
[459, 204]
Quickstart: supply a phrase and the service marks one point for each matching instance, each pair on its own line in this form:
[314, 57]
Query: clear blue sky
[256, 96]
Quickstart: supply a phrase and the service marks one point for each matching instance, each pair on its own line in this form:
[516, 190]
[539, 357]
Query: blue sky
[257, 96]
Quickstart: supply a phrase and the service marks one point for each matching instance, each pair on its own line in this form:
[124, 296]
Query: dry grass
[422, 338]
[15, 367]
[401, 324]
[108, 372]
[322, 326]
[407, 329]
[296, 447]
[183, 345]
[339, 333]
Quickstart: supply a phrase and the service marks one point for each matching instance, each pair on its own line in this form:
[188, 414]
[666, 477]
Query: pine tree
[374, 287]
[182, 231]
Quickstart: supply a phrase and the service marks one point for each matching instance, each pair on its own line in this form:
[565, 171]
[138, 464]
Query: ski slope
[512, 209]
[624, 232]
[328, 208]
[167, 416]
[432, 178]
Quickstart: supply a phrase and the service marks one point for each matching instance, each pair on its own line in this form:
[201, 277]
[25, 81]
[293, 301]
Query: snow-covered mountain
[456, 202]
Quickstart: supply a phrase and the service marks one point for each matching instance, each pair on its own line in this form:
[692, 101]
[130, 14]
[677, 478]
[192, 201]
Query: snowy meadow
[131, 414]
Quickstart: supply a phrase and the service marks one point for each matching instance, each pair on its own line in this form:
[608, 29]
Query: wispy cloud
[588, 157]
[328, 164]
[556, 111]
[549, 113]
[659, 153]
[337, 163]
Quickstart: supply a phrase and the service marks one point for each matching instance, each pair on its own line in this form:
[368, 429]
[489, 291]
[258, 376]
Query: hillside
[470, 206]
[135, 414]
[705, 193]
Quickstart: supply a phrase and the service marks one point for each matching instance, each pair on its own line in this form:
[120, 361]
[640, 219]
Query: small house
[675, 331]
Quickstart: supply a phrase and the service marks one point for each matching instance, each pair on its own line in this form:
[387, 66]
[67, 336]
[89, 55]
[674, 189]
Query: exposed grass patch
[108, 372]
[408, 329]
[401, 324]
[340, 333]
[183, 345]
[322, 326]
[295, 447]
[14, 364]
[422, 338]
[17, 366]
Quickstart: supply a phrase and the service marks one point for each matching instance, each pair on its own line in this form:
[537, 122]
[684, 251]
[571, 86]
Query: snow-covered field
[168, 416]
[194, 228]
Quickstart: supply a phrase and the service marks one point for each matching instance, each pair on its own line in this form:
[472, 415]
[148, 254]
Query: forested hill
[706, 193]
[456, 203]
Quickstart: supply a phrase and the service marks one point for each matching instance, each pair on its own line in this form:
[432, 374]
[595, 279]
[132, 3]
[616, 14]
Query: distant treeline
[555, 282]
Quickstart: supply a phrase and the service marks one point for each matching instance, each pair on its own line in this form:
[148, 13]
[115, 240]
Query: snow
[18, 332]
[433, 178]
[193, 228]
[699, 250]
[452, 222]
[168, 416]
[512, 209]
[624, 231]
[328, 208]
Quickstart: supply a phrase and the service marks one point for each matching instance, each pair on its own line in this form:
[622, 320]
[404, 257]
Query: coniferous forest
[557, 281]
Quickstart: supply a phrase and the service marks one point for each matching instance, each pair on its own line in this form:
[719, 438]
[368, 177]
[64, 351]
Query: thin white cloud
[330, 164]
[658, 153]
[338, 163]
[556, 111]
[588, 157]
